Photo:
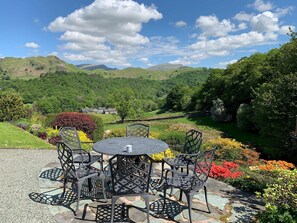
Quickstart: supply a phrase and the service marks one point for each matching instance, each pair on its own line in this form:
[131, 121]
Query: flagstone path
[227, 204]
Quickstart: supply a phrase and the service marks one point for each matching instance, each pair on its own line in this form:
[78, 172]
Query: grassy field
[14, 137]
[205, 124]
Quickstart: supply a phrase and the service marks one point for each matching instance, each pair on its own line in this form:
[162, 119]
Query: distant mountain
[166, 66]
[94, 67]
[32, 67]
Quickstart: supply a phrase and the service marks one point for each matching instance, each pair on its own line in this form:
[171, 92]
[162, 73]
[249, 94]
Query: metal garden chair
[76, 173]
[189, 150]
[190, 183]
[138, 129]
[69, 135]
[130, 176]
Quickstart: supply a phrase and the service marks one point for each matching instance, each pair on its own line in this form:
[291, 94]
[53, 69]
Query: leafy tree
[210, 90]
[276, 108]
[179, 98]
[11, 106]
[218, 111]
[245, 118]
[283, 60]
[49, 105]
[126, 103]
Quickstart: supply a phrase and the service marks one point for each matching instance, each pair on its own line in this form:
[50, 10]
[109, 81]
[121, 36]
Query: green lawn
[205, 124]
[14, 137]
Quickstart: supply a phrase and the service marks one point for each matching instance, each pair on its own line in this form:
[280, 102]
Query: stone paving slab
[227, 204]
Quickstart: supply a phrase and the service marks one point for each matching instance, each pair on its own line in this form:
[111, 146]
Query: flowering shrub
[114, 133]
[54, 139]
[249, 157]
[218, 111]
[86, 143]
[99, 130]
[275, 164]
[78, 120]
[228, 149]
[42, 135]
[169, 153]
[224, 171]
[52, 132]
[281, 198]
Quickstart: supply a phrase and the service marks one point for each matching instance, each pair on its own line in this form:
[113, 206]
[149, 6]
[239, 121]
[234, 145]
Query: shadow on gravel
[46, 198]
[171, 209]
[52, 196]
[52, 174]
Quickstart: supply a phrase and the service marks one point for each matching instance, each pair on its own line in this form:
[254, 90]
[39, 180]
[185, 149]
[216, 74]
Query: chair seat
[184, 182]
[177, 162]
[86, 172]
[79, 158]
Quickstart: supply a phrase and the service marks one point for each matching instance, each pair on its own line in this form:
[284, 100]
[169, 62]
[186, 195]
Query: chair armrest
[176, 147]
[183, 161]
[82, 153]
[177, 175]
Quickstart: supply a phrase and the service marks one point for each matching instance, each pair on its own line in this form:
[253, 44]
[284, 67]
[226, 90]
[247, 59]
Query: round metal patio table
[140, 145]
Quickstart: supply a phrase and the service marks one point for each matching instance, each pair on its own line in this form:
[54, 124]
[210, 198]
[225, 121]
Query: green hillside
[73, 91]
[146, 73]
[33, 67]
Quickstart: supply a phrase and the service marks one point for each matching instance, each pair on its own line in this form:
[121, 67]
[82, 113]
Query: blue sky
[141, 33]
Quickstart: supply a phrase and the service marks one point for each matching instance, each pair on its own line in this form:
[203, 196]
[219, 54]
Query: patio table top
[140, 145]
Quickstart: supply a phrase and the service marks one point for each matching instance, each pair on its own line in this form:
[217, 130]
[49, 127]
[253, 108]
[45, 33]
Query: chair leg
[181, 192]
[171, 189]
[113, 200]
[90, 184]
[79, 186]
[146, 199]
[190, 198]
[102, 176]
[180, 195]
[205, 194]
[164, 199]
[65, 180]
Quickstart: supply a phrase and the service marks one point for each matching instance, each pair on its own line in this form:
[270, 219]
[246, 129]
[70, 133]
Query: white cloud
[234, 42]
[285, 29]
[243, 16]
[109, 32]
[104, 28]
[265, 22]
[53, 54]
[32, 45]
[211, 26]
[242, 26]
[80, 37]
[144, 59]
[262, 6]
[226, 63]
[284, 11]
[181, 24]
[224, 46]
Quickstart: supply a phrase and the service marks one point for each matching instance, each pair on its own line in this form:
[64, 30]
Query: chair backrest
[130, 174]
[66, 159]
[192, 142]
[138, 129]
[203, 164]
[70, 136]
